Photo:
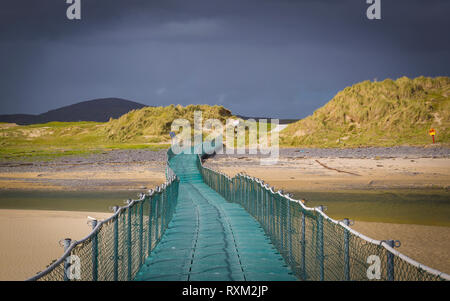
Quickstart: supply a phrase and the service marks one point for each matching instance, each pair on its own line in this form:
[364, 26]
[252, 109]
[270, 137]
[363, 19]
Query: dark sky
[280, 58]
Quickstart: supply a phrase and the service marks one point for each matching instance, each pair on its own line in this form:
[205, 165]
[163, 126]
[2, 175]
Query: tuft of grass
[383, 113]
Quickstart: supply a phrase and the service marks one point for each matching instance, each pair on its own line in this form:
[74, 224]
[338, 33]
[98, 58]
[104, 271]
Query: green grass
[58, 139]
[383, 113]
[147, 129]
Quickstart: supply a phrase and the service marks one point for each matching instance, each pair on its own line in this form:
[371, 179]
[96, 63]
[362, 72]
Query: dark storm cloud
[276, 58]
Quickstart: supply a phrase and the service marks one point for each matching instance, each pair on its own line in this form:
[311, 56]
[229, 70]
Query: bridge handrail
[77, 242]
[171, 184]
[438, 274]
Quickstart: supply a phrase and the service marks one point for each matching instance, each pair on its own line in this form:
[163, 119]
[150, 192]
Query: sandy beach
[120, 177]
[114, 170]
[29, 238]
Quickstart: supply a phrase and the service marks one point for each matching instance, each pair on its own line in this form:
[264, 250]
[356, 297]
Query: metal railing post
[141, 232]
[347, 250]
[129, 241]
[390, 261]
[246, 194]
[150, 215]
[260, 202]
[264, 198]
[159, 213]
[163, 210]
[156, 214]
[272, 212]
[289, 227]
[303, 247]
[241, 189]
[280, 223]
[94, 252]
[320, 243]
[255, 199]
[116, 244]
[67, 242]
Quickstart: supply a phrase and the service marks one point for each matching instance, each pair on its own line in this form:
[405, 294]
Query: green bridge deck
[211, 239]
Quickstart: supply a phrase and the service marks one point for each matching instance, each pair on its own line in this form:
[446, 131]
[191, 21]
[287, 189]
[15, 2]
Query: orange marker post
[432, 133]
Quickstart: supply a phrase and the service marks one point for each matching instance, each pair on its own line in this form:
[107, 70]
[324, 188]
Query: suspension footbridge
[210, 238]
[204, 225]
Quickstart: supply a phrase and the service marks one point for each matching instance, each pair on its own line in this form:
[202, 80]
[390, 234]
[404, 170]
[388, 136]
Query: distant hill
[100, 110]
[383, 113]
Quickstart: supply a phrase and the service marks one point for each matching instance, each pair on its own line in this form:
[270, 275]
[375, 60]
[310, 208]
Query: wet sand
[29, 238]
[129, 176]
[324, 174]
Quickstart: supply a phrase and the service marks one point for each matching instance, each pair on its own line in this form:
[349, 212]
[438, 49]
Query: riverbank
[114, 170]
[335, 173]
[296, 169]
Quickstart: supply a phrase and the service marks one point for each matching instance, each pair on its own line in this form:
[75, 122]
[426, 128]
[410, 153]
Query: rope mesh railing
[118, 246]
[315, 246]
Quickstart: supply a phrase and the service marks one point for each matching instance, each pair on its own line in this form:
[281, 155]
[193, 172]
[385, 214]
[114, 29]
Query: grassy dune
[147, 128]
[152, 124]
[383, 113]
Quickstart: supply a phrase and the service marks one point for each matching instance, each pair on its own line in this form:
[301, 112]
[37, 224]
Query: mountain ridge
[89, 110]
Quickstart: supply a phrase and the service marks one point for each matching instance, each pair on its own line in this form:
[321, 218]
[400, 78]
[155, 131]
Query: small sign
[432, 133]
[172, 134]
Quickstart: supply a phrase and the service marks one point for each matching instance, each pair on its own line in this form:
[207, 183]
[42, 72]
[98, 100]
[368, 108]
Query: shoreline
[330, 174]
[296, 169]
